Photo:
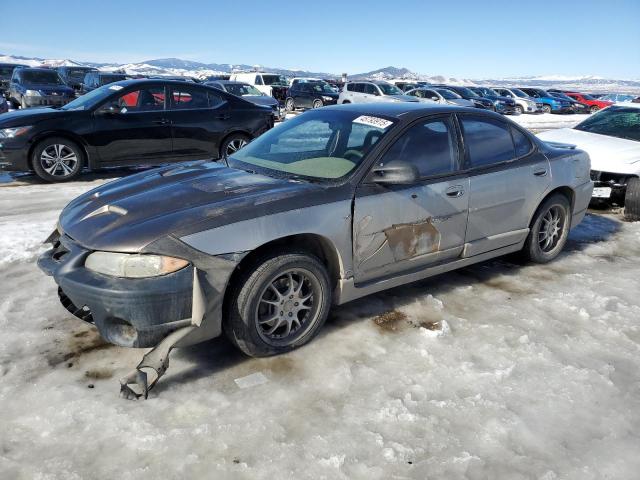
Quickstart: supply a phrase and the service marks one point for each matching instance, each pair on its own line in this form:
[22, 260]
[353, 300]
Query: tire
[546, 109]
[317, 104]
[232, 144]
[257, 324]
[594, 109]
[519, 110]
[555, 209]
[632, 200]
[57, 159]
[289, 105]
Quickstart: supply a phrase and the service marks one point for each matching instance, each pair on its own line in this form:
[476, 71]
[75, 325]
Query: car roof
[155, 81]
[39, 69]
[400, 109]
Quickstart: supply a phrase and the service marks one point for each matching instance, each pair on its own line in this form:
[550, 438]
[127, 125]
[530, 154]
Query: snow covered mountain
[178, 66]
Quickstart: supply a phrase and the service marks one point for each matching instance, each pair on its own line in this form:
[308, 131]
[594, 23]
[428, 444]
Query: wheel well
[71, 138]
[316, 245]
[566, 191]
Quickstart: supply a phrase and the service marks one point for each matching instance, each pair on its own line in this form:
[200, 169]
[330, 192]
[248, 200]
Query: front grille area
[613, 179]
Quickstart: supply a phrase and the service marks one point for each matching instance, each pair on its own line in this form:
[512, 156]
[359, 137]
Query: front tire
[232, 144]
[278, 305]
[549, 230]
[594, 109]
[289, 105]
[632, 200]
[318, 104]
[546, 109]
[519, 110]
[57, 159]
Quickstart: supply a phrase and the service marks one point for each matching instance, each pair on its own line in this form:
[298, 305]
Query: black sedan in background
[250, 93]
[134, 122]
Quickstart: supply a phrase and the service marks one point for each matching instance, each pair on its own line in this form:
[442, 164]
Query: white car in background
[524, 103]
[440, 95]
[611, 137]
[268, 83]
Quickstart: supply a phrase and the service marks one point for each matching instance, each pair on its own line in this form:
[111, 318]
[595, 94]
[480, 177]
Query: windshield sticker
[373, 121]
[116, 87]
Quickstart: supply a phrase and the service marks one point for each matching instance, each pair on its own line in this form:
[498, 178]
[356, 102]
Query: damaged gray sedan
[330, 206]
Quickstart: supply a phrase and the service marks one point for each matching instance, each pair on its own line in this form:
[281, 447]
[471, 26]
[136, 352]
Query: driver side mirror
[112, 109]
[435, 98]
[394, 173]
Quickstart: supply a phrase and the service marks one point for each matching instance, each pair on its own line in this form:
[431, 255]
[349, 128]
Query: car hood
[128, 214]
[461, 102]
[261, 100]
[404, 98]
[608, 154]
[60, 89]
[29, 116]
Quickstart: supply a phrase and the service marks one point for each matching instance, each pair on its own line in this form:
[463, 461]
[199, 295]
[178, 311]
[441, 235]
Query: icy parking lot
[537, 377]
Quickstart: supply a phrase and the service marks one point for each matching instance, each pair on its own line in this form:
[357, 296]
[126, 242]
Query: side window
[259, 80]
[359, 87]
[487, 141]
[522, 143]
[144, 100]
[370, 89]
[189, 98]
[350, 87]
[430, 146]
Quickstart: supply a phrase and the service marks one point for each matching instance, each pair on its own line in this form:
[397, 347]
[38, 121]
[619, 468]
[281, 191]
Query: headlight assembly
[128, 265]
[327, 99]
[32, 93]
[13, 132]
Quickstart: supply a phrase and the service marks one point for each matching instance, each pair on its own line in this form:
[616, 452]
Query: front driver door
[136, 131]
[400, 228]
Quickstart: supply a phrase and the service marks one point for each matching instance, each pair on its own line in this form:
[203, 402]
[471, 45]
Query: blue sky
[461, 38]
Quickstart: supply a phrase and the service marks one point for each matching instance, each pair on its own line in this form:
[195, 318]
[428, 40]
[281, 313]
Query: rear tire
[519, 110]
[232, 144]
[289, 105]
[549, 230]
[632, 200]
[278, 305]
[56, 159]
[317, 104]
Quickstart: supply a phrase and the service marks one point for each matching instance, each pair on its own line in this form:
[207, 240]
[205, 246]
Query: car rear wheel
[546, 108]
[519, 109]
[318, 104]
[57, 159]
[232, 144]
[278, 305]
[549, 230]
[289, 105]
[632, 200]
[594, 109]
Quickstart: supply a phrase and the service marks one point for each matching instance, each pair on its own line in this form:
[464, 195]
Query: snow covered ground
[537, 376]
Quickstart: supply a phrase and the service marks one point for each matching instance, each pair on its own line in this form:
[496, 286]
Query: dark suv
[74, 76]
[504, 105]
[93, 80]
[38, 87]
[310, 94]
[6, 70]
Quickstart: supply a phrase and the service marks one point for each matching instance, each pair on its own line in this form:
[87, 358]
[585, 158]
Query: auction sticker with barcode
[373, 121]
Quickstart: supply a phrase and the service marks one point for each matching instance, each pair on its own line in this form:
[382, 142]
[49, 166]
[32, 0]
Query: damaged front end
[177, 309]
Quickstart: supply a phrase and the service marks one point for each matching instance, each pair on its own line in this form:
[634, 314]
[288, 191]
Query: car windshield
[620, 122]
[317, 146]
[274, 80]
[542, 93]
[46, 77]
[519, 93]
[487, 92]
[448, 94]
[321, 87]
[91, 99]
[242, 89]
[388, 89]
[464, 91]
[562, 96]
[586, 96]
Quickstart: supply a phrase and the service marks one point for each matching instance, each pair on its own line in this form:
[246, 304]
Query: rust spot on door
[408, 240]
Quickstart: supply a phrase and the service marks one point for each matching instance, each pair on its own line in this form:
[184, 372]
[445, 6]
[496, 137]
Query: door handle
[160, 121]
[455, 191]
[540, 172]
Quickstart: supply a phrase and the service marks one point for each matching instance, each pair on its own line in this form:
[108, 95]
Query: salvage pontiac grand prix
[333, 205]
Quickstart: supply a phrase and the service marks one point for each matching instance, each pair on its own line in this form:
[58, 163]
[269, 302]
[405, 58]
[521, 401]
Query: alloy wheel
[59, 160]
[234, 145]
[288, 306]
[551, 229]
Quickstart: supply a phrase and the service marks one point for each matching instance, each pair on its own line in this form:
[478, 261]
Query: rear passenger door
[399, 228]
[508, 179]
[198, 118]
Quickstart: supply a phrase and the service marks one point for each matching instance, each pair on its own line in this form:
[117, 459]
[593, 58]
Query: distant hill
[178, 66]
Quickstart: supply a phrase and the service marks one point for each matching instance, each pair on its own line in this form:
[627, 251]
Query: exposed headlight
[13, 132]
[33, 93]
[327, 99]
[130, 265]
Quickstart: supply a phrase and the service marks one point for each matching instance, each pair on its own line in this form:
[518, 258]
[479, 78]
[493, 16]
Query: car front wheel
[57, 159]
[546, 108]
[632, 200]
[289, 105]
[519, 109]
[594, 109]
[549, 230]
[278, 305]
[317, 104]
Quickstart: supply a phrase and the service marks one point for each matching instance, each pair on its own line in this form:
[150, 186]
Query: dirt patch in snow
[391, 321]
[80, 343]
